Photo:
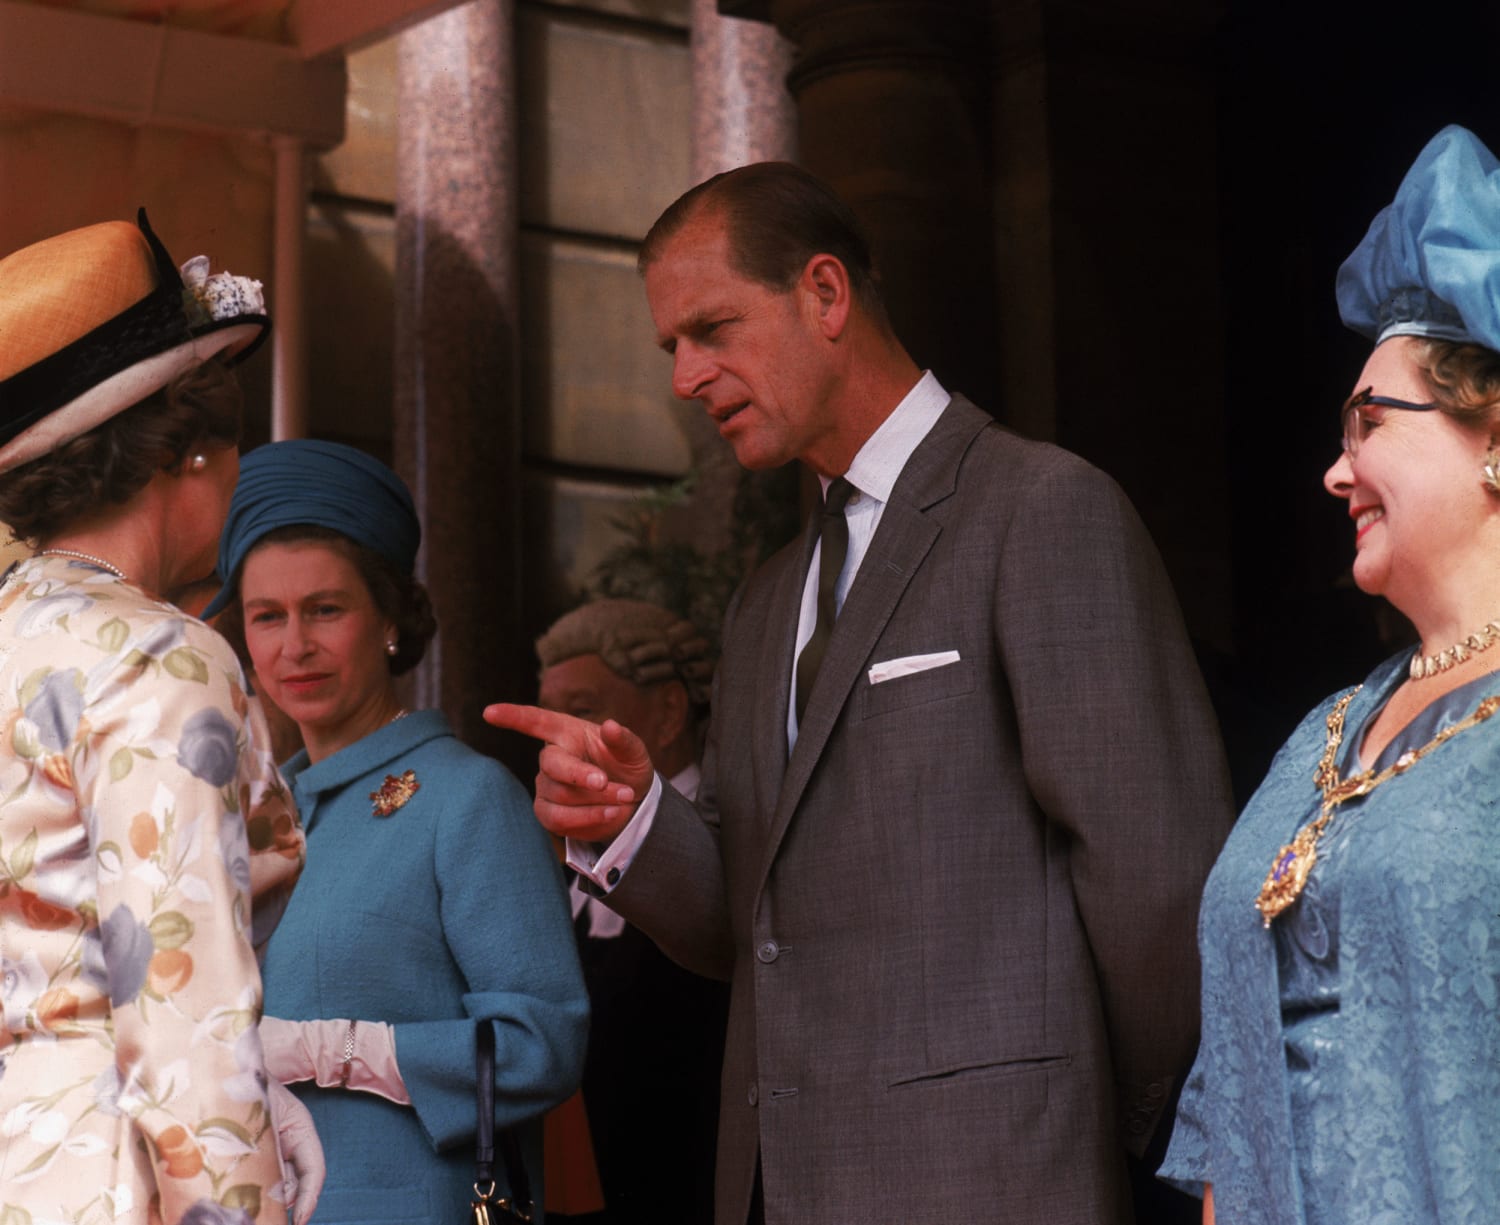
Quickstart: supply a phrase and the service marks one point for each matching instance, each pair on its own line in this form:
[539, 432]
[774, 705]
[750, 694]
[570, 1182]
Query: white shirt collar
[687, 780]
[878, 463]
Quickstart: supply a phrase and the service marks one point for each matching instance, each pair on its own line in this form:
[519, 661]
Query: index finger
[550, 726]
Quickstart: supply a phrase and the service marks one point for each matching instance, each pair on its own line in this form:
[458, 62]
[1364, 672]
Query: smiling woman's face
[1413, 489]
[318, 642]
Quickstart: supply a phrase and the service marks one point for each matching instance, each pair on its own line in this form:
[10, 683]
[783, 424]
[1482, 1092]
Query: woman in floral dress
[140, 812]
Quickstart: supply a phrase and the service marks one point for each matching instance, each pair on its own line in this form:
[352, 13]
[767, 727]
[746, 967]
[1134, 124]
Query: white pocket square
[906, 665]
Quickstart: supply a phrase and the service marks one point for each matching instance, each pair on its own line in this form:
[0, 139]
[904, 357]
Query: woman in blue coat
[431, 898]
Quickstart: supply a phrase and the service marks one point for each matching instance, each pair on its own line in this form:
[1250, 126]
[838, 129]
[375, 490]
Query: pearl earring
[390, 647]
[198, 463]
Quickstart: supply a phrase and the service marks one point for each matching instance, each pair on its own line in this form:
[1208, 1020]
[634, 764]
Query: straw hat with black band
[94, 320]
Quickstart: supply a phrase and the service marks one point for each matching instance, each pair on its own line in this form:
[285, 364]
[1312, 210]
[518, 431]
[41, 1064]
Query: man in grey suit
[962, 786]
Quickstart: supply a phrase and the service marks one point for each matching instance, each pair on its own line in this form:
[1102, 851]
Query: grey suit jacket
[959, 917]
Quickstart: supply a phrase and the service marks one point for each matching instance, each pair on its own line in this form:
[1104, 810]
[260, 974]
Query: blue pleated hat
[1430, 263]
[303, 481]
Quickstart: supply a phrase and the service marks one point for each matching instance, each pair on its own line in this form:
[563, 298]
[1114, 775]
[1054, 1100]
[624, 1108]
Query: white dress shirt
[873, 473]
[604, 923]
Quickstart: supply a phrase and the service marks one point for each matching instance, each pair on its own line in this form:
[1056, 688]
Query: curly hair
[642, 643]
[1464, 379]
[115, 460]
[400, 598]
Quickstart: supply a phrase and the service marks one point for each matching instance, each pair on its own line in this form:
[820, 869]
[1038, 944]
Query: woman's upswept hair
[116, 459]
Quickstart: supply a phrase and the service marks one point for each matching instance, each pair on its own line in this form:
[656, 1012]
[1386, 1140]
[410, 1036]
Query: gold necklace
[1294, 862]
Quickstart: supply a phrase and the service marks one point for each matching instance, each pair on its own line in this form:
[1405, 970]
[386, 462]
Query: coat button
[768, 951]
[612, 877]
[753, 1097]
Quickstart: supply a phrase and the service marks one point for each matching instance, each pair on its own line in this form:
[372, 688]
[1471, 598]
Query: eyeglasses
[1357, 428]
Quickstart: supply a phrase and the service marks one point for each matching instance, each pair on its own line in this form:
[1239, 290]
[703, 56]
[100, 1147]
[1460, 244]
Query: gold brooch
[394, 793]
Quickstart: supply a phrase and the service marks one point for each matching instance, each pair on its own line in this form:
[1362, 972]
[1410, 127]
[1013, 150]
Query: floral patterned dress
[139, 813]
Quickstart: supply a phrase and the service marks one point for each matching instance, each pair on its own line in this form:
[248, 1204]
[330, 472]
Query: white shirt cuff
[605, 863]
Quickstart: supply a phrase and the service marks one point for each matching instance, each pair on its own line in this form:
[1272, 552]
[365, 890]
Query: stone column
[893, 99]
[457, 430]
[742, 112]
[1108, 216]
[1038, 181]
[289, 336]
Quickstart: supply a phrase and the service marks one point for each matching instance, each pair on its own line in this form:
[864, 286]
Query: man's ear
[825, 284]
[671, 701]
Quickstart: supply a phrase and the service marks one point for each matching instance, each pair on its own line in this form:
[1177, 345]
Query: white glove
[315, 1050]
[301, 1152]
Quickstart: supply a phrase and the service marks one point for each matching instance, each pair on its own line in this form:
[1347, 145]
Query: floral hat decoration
[94, 320]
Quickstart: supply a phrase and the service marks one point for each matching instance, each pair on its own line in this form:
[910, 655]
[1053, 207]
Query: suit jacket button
[768, 951]
[613, 877]
[753, 1097]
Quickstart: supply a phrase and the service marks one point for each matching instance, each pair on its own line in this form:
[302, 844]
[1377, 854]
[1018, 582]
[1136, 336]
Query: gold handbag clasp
[480, 1208]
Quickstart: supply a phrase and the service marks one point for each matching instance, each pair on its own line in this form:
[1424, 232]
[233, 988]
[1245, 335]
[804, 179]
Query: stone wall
[602, 93]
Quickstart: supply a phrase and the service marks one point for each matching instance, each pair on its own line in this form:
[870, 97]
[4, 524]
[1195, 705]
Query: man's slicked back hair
[778, 216]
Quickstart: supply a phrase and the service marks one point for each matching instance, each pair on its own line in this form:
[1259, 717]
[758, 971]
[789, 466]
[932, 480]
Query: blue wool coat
[449, 909]
[1388, 1115]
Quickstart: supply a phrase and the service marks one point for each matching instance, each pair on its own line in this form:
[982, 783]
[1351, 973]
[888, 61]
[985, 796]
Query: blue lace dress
[1349, 1069]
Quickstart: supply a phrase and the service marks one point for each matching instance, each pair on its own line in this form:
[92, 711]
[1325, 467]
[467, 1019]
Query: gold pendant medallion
[1288, 875]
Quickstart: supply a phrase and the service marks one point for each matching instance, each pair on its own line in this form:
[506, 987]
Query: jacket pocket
[989, 1068]
[916, 688]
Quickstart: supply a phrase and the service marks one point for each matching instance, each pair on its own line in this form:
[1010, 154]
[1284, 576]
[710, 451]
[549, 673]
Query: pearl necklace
[88, 557]
[1423, 666]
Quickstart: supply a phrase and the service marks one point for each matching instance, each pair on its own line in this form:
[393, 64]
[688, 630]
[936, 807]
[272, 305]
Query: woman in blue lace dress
[1349, 1069]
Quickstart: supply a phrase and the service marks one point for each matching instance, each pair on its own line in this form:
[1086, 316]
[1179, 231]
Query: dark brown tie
[834, 533]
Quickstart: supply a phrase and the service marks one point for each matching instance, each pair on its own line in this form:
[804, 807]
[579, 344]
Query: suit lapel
[903, 540]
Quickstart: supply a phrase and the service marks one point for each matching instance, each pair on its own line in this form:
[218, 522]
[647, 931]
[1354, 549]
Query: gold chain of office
[1294, 862]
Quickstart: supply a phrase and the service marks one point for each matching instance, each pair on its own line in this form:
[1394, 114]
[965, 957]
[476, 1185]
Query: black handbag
[490, 1208]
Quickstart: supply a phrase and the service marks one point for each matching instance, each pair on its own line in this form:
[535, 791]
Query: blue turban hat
[327, 484]
[1430, 264]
